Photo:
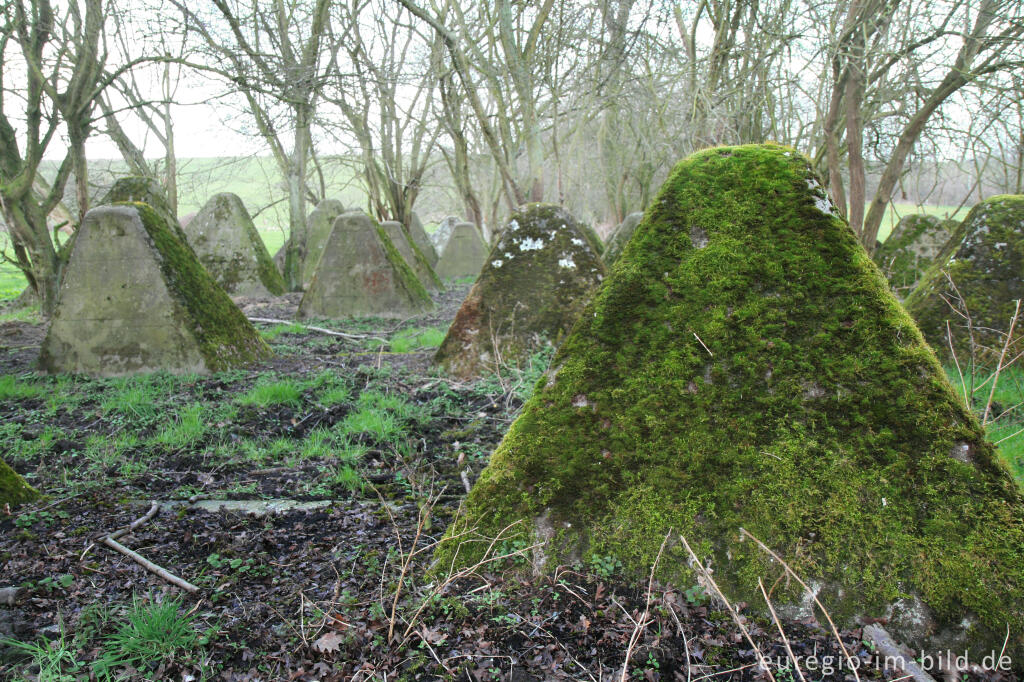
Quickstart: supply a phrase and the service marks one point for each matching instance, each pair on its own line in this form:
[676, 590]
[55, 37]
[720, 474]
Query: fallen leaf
[328, 643]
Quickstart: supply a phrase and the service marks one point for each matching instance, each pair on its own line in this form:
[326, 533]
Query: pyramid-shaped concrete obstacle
[620, 237]
[985, 261]
[441, 235]
[149, 191]
[464, 254]
[311, 242]
[532, 288]
[412, 256]
[361, 273]
[136, 299]
[745, 366]
[421, 240]
[226, 241]
[13, 488]
[910, 250]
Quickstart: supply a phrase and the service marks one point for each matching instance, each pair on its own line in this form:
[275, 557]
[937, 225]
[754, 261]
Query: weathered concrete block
[135, 299]
[226, 242]
[464, 254]
[361, 273]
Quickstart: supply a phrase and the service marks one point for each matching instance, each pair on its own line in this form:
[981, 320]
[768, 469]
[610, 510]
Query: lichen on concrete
[136, 299]
[745, 365]
[974, 284]
[361, 273]
[530, 291]
[911, 249]
[228, 245]
[13, 488]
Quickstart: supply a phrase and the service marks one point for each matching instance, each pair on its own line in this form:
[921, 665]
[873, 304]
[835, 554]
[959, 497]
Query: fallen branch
[111, 542]
[888, 650]
[319, 330]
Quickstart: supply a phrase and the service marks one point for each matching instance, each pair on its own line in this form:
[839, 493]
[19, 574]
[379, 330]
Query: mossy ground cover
[745, 365]
[368, 433]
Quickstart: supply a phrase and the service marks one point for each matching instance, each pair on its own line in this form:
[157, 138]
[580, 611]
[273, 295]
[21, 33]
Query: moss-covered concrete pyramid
[13, 488]
[312, 240]
[139, 188]
[746, 366]
[136, 299]
[465, 253]
[225, 239]
[419, 237]
[361, 273]
[911, 249]
[620, 237]
[530, 291]
[412, 256]
[985, 260]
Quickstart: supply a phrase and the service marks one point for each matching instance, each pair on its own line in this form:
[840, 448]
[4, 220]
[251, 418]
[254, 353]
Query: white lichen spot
[513, 225]
[531, 244]
[577, 241]
[999, 245]
[566, 262]
[497, 262]
[580, 400]
[821, 200]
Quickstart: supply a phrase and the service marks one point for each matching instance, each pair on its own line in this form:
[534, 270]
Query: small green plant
[335, 395]
[132, 399]
[605, 566]
[376, 422]
[695, 595]
[317, 445]
[150, 632]
[278, 329]
[346, 477]
[55, 660]
[268, 393]
[12, 389]
[409, 340]
[187, 429]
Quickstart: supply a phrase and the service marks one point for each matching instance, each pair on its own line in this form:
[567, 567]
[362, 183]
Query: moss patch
[985, 260]
[13, 488]
[149, 191]
[746, 366]
[911, 249]
[532, 288]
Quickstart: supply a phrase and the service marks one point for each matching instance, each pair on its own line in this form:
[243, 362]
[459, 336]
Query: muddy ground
[354, 458]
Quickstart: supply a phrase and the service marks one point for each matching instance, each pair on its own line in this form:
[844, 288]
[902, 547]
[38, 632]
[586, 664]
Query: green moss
[530, 291]
[13, 489]
[911, 249]
[404, 275]
[138, 188]
[226, 338]
[984, 258]
[746, 366]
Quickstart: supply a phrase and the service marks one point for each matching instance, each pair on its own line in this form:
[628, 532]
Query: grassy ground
[372, 448]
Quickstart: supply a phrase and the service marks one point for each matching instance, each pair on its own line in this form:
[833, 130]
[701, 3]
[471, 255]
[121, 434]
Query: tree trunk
[297, 200]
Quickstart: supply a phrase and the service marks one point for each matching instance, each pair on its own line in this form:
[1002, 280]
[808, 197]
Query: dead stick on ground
[319, 330]
[111, 542]
[890, 651]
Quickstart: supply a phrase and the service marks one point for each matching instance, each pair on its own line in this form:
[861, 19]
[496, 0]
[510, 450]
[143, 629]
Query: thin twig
[706, 574]
[150, 566]
[963, 384]
[814, 596]
[642, 623]
[999, 365]
[778, 624]
[319, 330]
[111, 542]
